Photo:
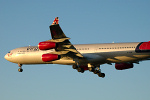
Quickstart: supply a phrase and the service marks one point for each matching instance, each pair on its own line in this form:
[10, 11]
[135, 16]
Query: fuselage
[95, 53]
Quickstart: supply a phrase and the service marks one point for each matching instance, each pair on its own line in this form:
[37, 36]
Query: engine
[122, 66]
[46, 45]
[50, 57]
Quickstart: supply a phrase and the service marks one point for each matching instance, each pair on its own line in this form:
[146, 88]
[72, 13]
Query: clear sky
[26, 22]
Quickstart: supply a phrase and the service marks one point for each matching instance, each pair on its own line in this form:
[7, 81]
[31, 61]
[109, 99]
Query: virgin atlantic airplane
[82, 57]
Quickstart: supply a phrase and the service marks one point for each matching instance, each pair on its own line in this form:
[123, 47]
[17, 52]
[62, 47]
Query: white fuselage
[95, 53]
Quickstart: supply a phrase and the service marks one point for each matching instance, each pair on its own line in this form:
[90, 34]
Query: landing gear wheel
[80, 70]
[20, 70]
[74, 66]
[101, 75]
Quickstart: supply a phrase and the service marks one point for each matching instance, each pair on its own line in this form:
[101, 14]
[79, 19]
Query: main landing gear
[20, 69]
[97, 70]
[79, 69]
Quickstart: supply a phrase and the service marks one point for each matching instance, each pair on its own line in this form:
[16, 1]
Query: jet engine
[50, 57]
[46, 45]
[122, 66]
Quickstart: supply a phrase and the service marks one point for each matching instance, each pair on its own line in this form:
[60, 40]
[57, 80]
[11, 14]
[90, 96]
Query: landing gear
[79, 69]
[96, 70]
[91, 68]
[20, 69]
[101, 75]
[74, 66]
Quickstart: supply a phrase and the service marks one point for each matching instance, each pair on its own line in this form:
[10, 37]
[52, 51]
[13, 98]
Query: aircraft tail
[56, 31]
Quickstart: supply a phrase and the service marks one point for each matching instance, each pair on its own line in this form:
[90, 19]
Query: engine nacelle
[122, 66]
[50, 57]
[46, 45]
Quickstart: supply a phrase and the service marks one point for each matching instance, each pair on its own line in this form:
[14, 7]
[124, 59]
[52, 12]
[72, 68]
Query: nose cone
[6, 56]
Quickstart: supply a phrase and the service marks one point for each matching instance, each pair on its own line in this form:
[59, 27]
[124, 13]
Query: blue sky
[24, 23]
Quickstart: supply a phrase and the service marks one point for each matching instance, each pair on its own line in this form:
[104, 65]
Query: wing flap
[59, 40]
[60, 52]
[67, 46]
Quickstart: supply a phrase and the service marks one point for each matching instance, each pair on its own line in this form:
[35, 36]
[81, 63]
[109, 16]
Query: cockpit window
[9, 52]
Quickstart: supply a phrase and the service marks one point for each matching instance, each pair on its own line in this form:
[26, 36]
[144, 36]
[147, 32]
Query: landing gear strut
[20, 69]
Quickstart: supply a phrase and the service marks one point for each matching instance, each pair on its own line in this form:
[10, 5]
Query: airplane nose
[6, 57]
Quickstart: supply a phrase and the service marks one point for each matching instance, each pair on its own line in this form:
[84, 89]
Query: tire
[74, 66]
[102, 75]
[79, 69]
[20, 70]
[82, 70]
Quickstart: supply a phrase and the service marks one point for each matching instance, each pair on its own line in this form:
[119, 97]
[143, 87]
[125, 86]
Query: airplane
[82, 57]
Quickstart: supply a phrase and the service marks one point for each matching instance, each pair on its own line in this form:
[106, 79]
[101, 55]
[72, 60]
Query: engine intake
[46, 45]
[50, 57]
[122, 66]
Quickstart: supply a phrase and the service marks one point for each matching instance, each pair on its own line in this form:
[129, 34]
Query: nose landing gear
[20, 69]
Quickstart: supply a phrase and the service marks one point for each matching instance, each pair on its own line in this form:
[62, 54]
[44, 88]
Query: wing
[64, 46]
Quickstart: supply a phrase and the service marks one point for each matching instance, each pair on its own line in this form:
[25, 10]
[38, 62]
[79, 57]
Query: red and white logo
[55, 21]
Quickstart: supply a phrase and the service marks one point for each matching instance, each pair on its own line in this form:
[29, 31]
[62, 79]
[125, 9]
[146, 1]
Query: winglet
[56, 21]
